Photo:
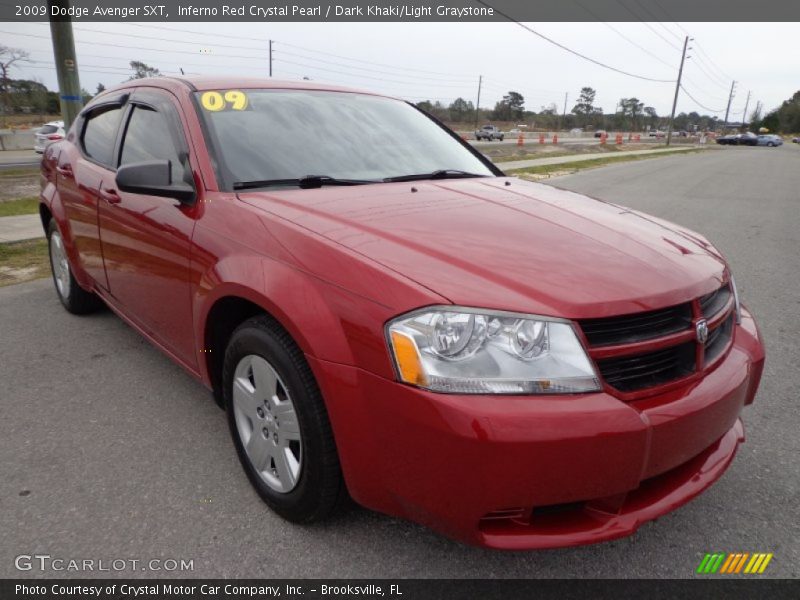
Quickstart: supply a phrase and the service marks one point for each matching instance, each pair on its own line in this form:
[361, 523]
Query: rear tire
[74, 298]
[280, 425]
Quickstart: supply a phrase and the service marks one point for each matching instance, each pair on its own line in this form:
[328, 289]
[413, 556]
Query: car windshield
[282, 136]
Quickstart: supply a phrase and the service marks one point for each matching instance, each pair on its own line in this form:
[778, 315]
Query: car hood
[509, 244]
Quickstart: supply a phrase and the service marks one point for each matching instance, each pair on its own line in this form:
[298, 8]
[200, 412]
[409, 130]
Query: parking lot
[112, 451]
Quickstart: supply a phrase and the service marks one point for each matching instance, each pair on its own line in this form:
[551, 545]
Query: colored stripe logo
[734, 563]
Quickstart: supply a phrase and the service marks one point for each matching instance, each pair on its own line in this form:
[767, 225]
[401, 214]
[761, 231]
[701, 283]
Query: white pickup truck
[489, 133]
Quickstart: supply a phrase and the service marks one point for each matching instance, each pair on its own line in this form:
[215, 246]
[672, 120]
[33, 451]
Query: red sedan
[385, 316]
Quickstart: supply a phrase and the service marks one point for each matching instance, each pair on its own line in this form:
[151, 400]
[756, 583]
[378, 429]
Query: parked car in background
[770, 139]
[600, 133]
[656, 133]
[489, 133]
[739, 139]
[511, 364]
[796, 140]
[576, 131]
[47, 134]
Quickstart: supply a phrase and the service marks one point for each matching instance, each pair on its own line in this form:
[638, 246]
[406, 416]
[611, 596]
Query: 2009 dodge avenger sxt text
[383, 314]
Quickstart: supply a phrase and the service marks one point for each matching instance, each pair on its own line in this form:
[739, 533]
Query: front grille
[718, 340]
[638, 371]
[615, 342]
[638, 327]
[712, 303]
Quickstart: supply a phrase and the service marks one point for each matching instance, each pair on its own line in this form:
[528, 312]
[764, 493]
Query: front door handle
[110, 196]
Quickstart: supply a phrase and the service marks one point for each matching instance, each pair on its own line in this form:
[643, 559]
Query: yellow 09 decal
[229, 100]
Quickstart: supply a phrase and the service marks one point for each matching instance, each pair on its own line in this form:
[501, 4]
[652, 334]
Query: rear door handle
[110, 196]
[66, 171]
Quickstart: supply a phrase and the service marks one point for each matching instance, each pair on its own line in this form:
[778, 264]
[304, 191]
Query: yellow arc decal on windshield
[228, 100]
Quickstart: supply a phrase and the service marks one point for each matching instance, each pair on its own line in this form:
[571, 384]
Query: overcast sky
[442, 61]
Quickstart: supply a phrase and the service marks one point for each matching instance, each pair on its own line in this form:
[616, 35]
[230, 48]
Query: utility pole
[728, 110]
[69, 86]
[746, 103]
[478, 103]
[270, 58]
[677, 89]
[566, 96]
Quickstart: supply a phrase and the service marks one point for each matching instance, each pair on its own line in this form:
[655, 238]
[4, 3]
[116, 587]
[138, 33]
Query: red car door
[82, 168]
[146, 240]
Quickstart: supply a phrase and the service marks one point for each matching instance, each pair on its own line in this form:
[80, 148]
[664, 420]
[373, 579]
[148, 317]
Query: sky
[442, 61]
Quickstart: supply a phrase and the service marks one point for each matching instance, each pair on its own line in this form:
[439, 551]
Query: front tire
[74, 298]
[279, 423]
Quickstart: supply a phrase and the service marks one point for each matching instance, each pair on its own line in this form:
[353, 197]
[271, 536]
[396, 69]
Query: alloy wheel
[267, 423]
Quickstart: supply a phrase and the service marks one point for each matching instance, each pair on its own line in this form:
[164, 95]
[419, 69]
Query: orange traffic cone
[555, 138]
[541, 138]
[520, 140]
[603, 138]
[618, 139]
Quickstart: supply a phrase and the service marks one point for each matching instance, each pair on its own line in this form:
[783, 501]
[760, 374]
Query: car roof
[204, 83]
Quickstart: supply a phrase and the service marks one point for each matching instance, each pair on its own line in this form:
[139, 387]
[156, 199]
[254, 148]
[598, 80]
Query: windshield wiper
[307, 182]
[440, 174]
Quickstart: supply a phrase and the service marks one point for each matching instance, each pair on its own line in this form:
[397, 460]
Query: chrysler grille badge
[702, 331]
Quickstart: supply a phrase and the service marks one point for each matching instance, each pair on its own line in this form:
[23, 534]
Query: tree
[510, 108]
[8, 58]
[584, 107]
[425, 105]
[652, 115]
[789, 114]
[631, 107]
[461, 110]
[142, 70]
[100, 88]
[550, 109]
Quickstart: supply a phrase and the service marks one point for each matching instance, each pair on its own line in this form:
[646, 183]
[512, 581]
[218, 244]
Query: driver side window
[147, 138]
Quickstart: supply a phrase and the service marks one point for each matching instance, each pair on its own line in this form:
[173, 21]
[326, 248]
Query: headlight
[473, 351]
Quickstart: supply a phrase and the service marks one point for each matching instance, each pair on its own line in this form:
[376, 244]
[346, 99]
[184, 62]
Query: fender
[291, 297]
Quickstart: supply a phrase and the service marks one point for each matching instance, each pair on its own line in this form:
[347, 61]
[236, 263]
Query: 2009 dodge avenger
[385, 316]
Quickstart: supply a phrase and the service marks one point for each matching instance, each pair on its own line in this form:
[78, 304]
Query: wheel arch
[296, 302]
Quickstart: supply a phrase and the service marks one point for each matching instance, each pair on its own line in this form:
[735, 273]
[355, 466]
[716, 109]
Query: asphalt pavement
[110, 451]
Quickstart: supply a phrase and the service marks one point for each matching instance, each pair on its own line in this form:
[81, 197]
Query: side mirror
[153, 178]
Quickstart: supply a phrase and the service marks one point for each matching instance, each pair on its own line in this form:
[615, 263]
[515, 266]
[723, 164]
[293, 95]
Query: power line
[646, 24]
[704, 107]
[571, 51]
[625, 37]
[710, 60]
[663, 10]
[370, 62]
[289, 62]
[328, 62]
[657, 20]
[265, 40]
[712, 79]
[700, 88]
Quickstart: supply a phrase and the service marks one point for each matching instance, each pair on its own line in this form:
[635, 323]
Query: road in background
[111, 451]
[17, 159]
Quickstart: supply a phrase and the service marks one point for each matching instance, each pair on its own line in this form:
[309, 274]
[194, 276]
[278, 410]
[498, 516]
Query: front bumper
[521, 472]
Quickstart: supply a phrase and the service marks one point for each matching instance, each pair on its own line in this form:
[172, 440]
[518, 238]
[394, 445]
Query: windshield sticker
[229, 100]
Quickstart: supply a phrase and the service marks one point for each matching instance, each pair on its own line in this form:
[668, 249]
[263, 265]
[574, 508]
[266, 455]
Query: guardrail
[17, 139]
